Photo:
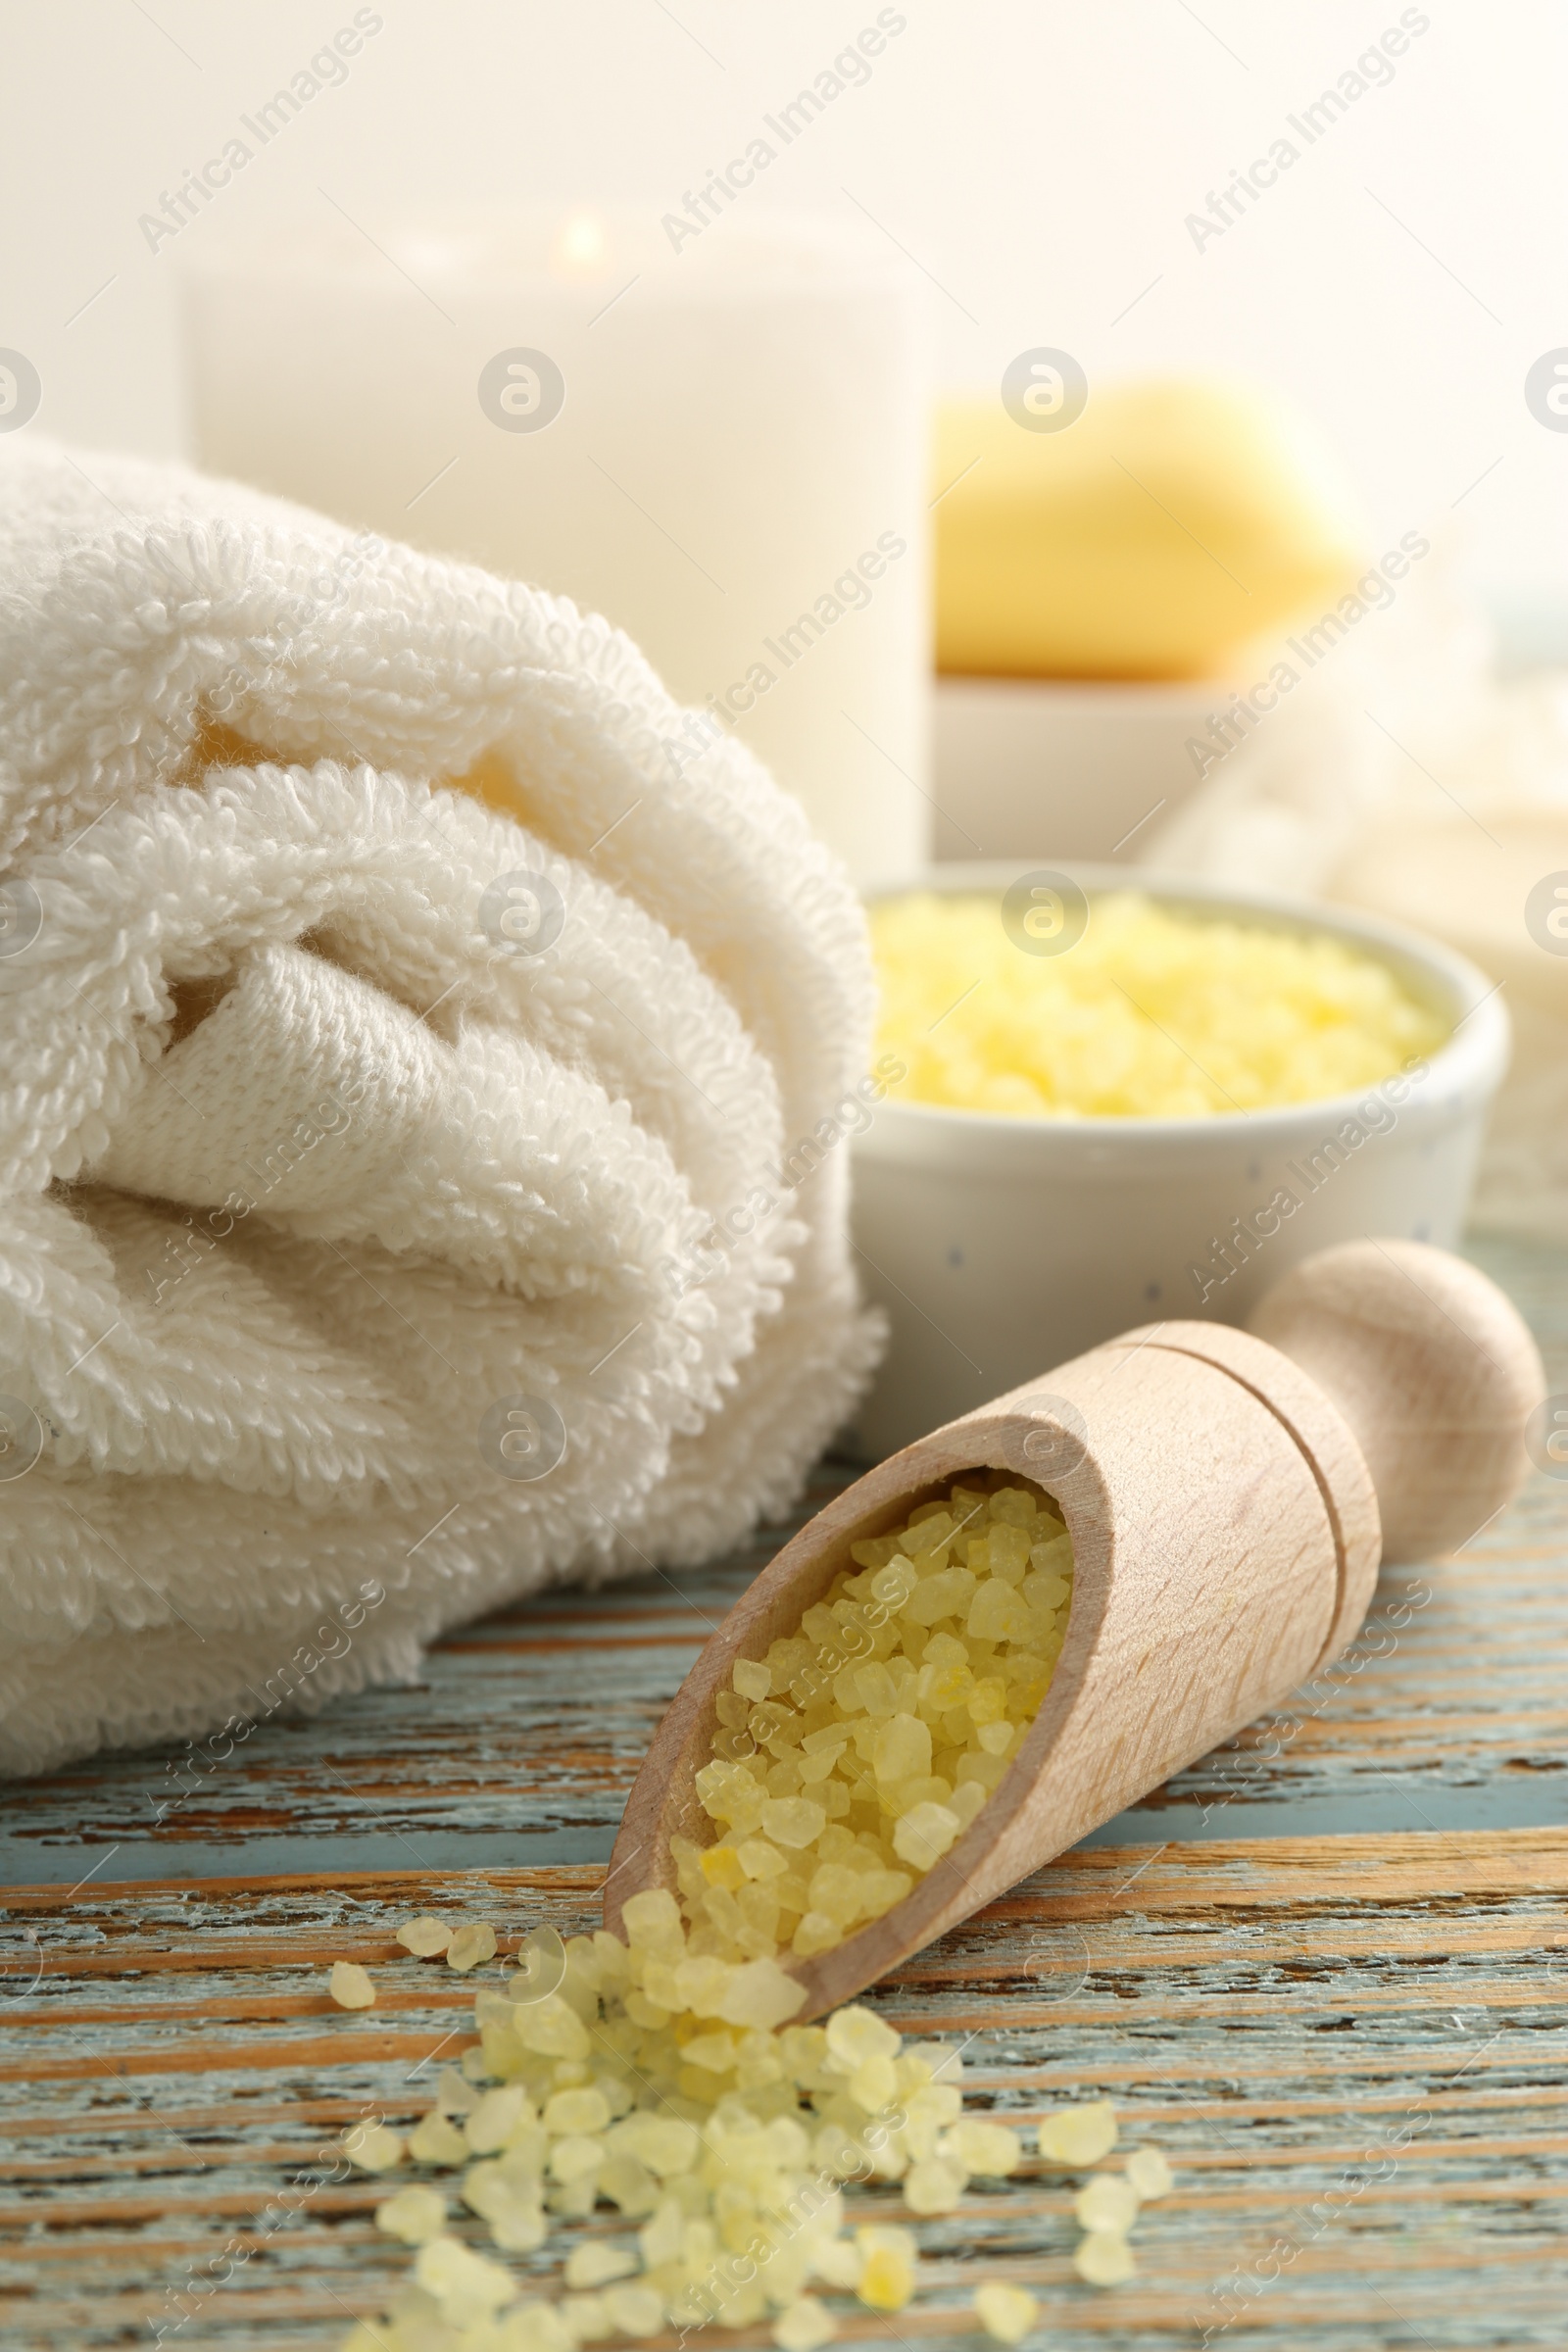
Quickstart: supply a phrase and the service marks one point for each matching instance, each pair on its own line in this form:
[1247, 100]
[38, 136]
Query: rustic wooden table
[1327, 1970]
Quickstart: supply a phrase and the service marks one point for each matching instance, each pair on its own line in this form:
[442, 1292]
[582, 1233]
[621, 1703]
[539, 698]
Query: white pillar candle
[720, 446]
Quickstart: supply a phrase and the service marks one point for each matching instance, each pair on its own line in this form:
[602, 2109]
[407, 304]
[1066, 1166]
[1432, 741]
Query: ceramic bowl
[1000, 1246]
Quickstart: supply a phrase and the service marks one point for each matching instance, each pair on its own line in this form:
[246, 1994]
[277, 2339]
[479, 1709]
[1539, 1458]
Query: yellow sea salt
[1149, 2174]
[982, 2147]
[852, 1757]
[424, 1937]
[576, 2157]
[574, 2110]
[586, 2319]
[349, 1985]
[1004, 2312]
[701, 2163]
[528, 2327]
[472, 1945]
[414, 2215]
[1078, 2136]
[663, 2077]
[888, 2260]
[634, 2310]
[805, 2327]
[1152, 1013]
[508, 2194]
[596, 2264]
[373, 2147]
[1106, 2202]
[923, 1834]
[933, 2185]
[1103, 2259]
[455, 2094]
[856, 2034]
[494, 2117]
[468, 2286]
[793, 1821]
[436, 2139]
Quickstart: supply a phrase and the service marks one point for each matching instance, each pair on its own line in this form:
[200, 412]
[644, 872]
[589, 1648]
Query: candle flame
[582, 250]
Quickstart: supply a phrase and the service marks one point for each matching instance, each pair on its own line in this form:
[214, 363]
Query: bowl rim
[1470, 1059]
[1142, 697]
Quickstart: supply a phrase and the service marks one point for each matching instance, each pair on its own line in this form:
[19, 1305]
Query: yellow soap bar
[1159, 532]
[1153, 1014]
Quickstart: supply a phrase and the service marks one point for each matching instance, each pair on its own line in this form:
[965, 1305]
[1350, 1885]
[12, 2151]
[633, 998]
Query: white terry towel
[346, 1177]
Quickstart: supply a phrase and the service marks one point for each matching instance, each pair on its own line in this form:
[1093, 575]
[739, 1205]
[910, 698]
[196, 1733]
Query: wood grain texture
[1272, 2014]
[1270, 2009]
[518, 1743]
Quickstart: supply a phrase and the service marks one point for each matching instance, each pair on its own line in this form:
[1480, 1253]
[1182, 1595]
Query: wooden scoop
[1229, 1496]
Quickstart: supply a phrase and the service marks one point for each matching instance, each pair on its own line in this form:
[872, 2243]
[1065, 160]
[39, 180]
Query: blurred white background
[1037, 159]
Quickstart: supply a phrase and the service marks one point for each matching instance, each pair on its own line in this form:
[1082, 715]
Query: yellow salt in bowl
[1156, 1012]
[1116, 1099]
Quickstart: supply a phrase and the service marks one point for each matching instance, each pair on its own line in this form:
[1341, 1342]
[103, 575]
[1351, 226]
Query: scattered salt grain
[468, 2286]
[455, 2094]
[414, 2215]
[1104, 2258]
[761, 1994]
[1149, 2174]
[373, 2148]
[471, 1945]
[983, 2147]
[587, 2319]
[494, 2118]
[933, 2185]
[350, 1987]
[529, 2327]
[1004, 2312]
[596, 2264]
[1078, 2136]
[424, 1937]
[1106, 2202]
[857, 2034]
[664, 2076]
[634, 2310]
[436, 2139]
[805, 2327]
[887, 2267]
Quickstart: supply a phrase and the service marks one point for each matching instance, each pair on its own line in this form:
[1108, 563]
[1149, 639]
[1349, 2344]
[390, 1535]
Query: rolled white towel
[428, 1054]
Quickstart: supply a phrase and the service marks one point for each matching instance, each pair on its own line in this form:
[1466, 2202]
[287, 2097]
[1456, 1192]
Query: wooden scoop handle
[1433, 1368]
